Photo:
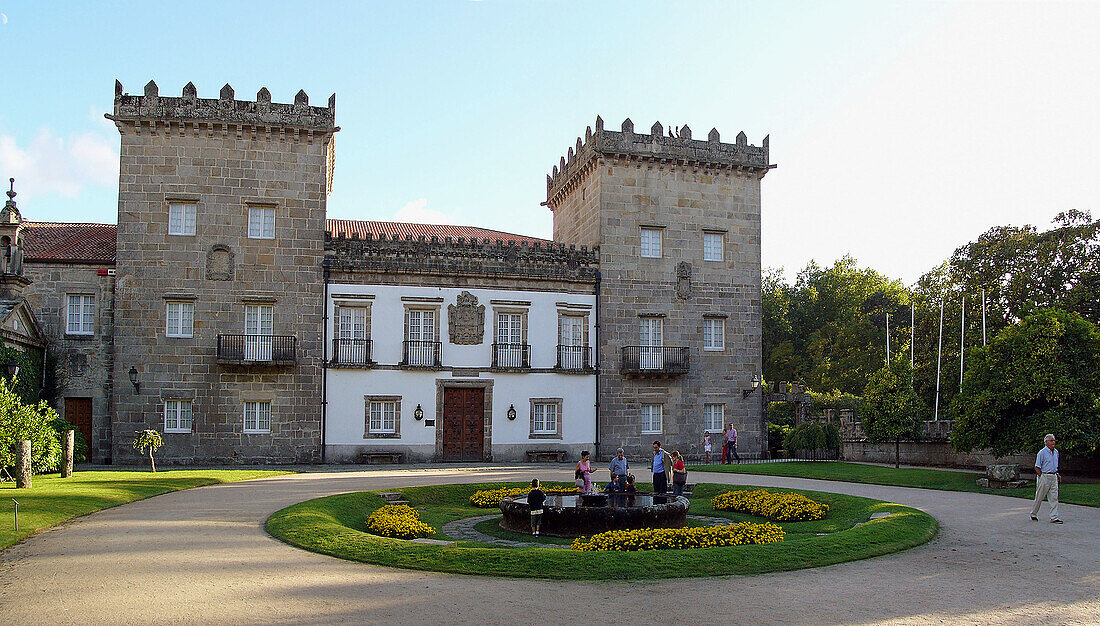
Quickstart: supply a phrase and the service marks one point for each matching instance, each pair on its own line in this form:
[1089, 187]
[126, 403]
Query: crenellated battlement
[675, 147]
[152, 108]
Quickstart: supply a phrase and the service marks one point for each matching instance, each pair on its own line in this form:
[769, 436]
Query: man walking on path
[662, 468]
[731, 445]
[1046, 480]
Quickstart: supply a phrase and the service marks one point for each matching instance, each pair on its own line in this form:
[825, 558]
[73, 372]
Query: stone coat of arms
[683, 280]
[466, 320]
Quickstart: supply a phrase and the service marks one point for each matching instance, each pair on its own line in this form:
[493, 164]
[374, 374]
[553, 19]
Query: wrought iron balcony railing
[422, 354]
[257, 349]
[511, 355]
[574, 358]
[654, 360]
[352, 353]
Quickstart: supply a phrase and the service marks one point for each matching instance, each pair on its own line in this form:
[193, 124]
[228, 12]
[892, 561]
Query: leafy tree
[21, 421]
[148, 441]
[891, 409]
[806, 436]
[1041, 375]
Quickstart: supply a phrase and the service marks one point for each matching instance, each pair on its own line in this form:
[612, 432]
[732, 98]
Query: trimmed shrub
[778, 507]
[740, 534]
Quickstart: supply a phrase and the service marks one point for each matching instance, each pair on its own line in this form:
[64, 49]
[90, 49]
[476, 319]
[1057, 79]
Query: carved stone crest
[219, 263]
[466, 320]
[683, 280]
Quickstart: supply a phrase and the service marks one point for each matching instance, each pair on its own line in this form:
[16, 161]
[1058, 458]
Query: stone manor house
[226, 310]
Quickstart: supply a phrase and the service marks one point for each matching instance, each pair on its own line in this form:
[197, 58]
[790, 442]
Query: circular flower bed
[741, 534]
[778, 507]
[398, 520]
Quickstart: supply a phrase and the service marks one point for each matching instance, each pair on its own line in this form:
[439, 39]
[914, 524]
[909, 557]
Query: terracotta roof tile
[362, 227]
[69, 243]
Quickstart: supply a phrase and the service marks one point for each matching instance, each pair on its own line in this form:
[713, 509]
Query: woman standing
[583, 473]
[679, 474]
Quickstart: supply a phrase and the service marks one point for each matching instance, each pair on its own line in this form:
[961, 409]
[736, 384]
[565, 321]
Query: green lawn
[1087, 494]
[53, 499]
[334, 525]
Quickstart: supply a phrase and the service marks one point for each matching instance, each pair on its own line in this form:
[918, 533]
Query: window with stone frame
[714, 334]
[352, 334]
[510, 339]
[573, 351]
[652, 418]
[80, 314]
[651, 243]
[177, 416]
[181, 218]
[422, 345]
[382, 417]
[713, 246]
[714, 417]
[179, 319]
[546, 418]
[257, 417]
[261, 222]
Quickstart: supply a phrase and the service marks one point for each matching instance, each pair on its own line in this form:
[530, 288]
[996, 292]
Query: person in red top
[679, 474]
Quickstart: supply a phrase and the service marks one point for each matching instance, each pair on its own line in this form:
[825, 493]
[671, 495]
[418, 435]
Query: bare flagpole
[912, 339]
[983, 318]
[939, 356]
[962, 343]
[887, 340]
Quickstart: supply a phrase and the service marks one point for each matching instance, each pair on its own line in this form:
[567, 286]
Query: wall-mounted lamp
[511, 411]
[755, 383]
[11, 370]
[134, 380]
[418, 414]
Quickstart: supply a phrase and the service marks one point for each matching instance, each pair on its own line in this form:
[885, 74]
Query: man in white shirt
[1046, 480]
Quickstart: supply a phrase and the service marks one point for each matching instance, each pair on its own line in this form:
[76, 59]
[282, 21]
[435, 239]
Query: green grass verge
[53, 499]
[334, 525]
[1087, 494]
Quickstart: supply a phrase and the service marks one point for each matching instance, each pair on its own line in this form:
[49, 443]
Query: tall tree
[891, 409]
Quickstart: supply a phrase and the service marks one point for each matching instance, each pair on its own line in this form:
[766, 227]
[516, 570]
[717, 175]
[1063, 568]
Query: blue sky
[901, 130]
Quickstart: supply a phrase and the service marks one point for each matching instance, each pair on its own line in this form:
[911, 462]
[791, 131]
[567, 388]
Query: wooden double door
[78, 411]
[463, 424]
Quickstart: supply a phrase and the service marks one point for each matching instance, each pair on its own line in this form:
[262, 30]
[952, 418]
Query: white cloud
[417, 211]
[51, 165]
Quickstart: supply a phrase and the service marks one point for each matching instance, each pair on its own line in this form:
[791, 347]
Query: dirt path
[201, 556]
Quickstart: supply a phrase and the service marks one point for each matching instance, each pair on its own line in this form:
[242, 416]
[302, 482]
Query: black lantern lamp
[511, 412]
[755, 383]
[11, 370]
[418, 414]
[134, 380]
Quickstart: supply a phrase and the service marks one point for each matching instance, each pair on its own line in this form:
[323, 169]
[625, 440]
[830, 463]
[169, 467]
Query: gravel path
[201, 556]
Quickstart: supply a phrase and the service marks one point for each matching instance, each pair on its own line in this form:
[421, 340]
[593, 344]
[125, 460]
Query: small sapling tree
[148, 442]
[891, 409]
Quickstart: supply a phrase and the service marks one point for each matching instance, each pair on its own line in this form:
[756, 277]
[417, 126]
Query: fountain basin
[573, 516]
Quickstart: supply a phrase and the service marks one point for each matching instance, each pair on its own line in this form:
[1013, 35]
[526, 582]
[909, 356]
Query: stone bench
[546, 456]
[380, 458]
[1002, 477]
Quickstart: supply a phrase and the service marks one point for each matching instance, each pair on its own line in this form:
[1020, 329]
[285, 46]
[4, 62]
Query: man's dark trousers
[731, 452]
[660, 483]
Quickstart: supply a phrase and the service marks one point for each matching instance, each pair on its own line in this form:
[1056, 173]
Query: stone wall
[225, 156]
[83, 362]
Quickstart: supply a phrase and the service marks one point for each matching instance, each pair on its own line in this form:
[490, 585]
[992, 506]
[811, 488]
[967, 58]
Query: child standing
[706, 444]
[535, 499]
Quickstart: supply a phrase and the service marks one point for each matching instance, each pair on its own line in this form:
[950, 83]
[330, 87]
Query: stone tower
[218, 316]
[677, 222]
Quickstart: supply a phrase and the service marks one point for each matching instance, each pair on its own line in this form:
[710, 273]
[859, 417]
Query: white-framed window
[573, 349]
[714, 334]
[651, 338]
[544, 418]
[382, 417]
[261, 222]
[258, 330]
[80, 314]
[181, 218]
[257, 417]
[713, 244]
[652, 415]
[351, 330]
[651, 243]
[509, 341]
[420, 335]
[714, 417]
[177, 416]
[180, 318]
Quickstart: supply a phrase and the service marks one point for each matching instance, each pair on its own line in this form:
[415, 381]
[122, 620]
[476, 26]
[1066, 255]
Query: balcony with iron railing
[257, 349]
[574, 359]
[654, 361]
[422, 354]
[511, 356]
[352, 353]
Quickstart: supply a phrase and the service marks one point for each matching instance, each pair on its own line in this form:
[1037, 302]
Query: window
[713, 243]
[651, 336]
[257, 330]
[651, 418]
[80, 314]
[181, 319]
[421, 347]
[181, 219]
[257, 417]
[544, 418]
[572, 348]
[510, 351]
[382, 417]
[351, 330]
[714, 334]
[177, 416]
[261, 222]
[651, 243]
[714, 417]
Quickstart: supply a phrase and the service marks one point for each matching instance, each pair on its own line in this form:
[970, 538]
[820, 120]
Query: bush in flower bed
[492, 497]
[778, 507]
[680, 538]
[398, 520]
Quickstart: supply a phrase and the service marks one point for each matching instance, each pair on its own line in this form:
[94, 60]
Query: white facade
[531, 324]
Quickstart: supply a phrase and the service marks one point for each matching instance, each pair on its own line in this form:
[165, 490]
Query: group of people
[668, 468]
[729, 444]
